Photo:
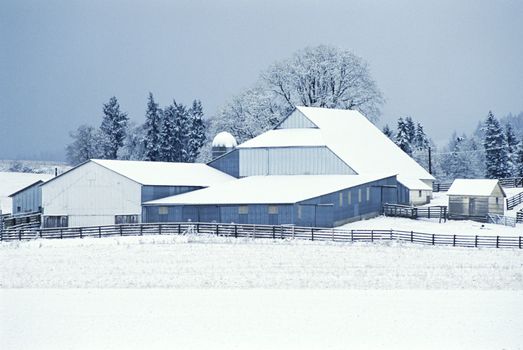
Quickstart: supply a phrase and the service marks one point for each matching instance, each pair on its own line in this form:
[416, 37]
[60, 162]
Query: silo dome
[224, 139]
[222, 143]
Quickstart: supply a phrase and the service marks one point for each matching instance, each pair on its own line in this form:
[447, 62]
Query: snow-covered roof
[413, 184]
[224, 139]
[166, 173]
[286, 138]
[11, 182]
[473, 187]
[272, 189]
[351, 136]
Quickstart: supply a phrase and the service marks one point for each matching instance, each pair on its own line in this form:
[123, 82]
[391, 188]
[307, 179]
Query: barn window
[368, 194]
[243, 209]
[125, 219]
[56, 221]
[359, 195]
[419, 193]
[163, 210]
[299, 211]
[341, 199]
[19, 209]
[273, 209]
[497, 200]
[349, 199]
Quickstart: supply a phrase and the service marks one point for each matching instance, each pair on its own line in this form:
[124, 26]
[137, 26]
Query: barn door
[472, 206]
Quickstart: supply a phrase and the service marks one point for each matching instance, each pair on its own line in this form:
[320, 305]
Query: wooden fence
[265, 231]
[519, 217]
[441, 187]
[514, 201]
[405, 211]
[511, 182]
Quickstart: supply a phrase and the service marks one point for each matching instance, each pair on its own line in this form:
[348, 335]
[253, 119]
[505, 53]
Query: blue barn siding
[296, 121]
[291, 161]
[403, 194]
[150, 193]
[228, 163]
[28, 200]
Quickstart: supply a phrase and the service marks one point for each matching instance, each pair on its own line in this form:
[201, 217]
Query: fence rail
[429, 212]
[514, 201]
[511, 182]
[265, 231]
[441, 187]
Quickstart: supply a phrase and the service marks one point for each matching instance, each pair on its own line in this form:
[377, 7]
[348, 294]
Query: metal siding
[28, 200]
[91, 195]
[229, 163]
[150, 193]
[291, 161]
[296, 121]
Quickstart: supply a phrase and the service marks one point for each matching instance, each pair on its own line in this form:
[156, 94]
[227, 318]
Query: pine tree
[495, 149]
[113, 129]
[169, 135]
[402, 137]
[388, 132]
[410, 129]
[421, 142]
[152, 126]
[519, 160]
[196, 133]
[512, 148]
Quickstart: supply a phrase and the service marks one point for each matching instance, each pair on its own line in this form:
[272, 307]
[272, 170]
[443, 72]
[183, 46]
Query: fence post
[40, 233]
[372, 235]
[19, 235]
[454, 241]
[141, 229]
[236, 231]
[179, 229]
[217, 230]
[476, 241]
[80, 229]
[519, 242]
[61, 233]
[391, 234]
[312, 234]
[411, 236]
[352, 235]
[332, 231]
[497, 241]
[159, 229]
[433, 239]
[198, 228]
[121, 232]
[274, 232]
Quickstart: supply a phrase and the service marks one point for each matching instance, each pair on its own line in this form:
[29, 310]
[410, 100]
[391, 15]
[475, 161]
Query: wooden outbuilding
[475, 198]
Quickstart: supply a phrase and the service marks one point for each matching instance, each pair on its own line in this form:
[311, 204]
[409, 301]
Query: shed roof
[10, 182]
[272, 189]
[166, 173]
[351, 136]
[26, 187]
[413, 184]
[474, 187]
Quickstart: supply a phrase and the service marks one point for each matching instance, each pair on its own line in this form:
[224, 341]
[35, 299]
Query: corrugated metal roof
[286, 138]
[272, 189]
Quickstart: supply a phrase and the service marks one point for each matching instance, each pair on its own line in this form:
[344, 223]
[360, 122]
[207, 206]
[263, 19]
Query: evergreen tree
[388, 132]
[152, 127]
[512, 149]
[495, 149]
[170, 142]
[113, 129]
[183, 127]
[519, 160]
[196, 132]
[410, 129]
[421, 142]
[402, 137]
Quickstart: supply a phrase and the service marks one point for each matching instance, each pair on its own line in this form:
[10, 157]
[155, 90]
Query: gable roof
[351, 136]
[271, 189]
[474, 187]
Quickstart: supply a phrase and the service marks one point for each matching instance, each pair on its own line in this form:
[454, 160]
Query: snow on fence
[514, 201]
[511, 182]
[501, 220]
[406, 211]
[265, 231]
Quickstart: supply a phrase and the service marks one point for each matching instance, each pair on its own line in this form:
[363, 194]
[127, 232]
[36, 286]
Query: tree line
[175, 133]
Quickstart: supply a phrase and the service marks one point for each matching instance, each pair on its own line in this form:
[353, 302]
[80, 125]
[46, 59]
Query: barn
[321, 141]
[475, 198]
[27, 199]
[13, 182]
[107, 192]
[303, 200]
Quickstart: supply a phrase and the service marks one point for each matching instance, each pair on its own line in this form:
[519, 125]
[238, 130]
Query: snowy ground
[259, 319]
[213, 262]
[451, 227]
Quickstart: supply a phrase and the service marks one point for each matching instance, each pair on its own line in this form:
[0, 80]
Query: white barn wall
[91, 195]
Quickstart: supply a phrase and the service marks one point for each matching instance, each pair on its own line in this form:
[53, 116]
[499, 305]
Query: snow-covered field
[451, 227]
[213, 262]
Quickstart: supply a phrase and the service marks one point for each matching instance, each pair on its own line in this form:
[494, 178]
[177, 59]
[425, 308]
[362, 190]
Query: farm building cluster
[319, 167]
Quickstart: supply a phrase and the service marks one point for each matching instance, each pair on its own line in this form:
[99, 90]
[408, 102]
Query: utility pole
[430, 160]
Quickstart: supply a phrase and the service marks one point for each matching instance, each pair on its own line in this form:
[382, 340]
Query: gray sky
[445, 63]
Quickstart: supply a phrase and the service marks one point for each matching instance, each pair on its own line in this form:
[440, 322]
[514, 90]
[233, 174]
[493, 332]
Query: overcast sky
[445, 63]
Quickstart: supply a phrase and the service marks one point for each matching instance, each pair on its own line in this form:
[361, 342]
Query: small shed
[27, 199]
[475, 198]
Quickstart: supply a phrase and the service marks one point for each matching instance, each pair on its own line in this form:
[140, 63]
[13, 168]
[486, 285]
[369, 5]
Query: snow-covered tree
[410, 130]
[519, 160]
[134, 144]
[402, 137]
[321, 76]
[388, 132]
[85, 145]
[152, 130]
[170, 142]
[512, 148]
[196, 133]
[113, 129]
[495, 149]
[421, 141]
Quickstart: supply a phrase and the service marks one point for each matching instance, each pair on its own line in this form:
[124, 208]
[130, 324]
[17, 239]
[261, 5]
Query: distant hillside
[33, 166]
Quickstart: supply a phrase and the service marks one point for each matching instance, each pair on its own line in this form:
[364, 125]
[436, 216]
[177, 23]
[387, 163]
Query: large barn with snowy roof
[108, 192]
[321, 141]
